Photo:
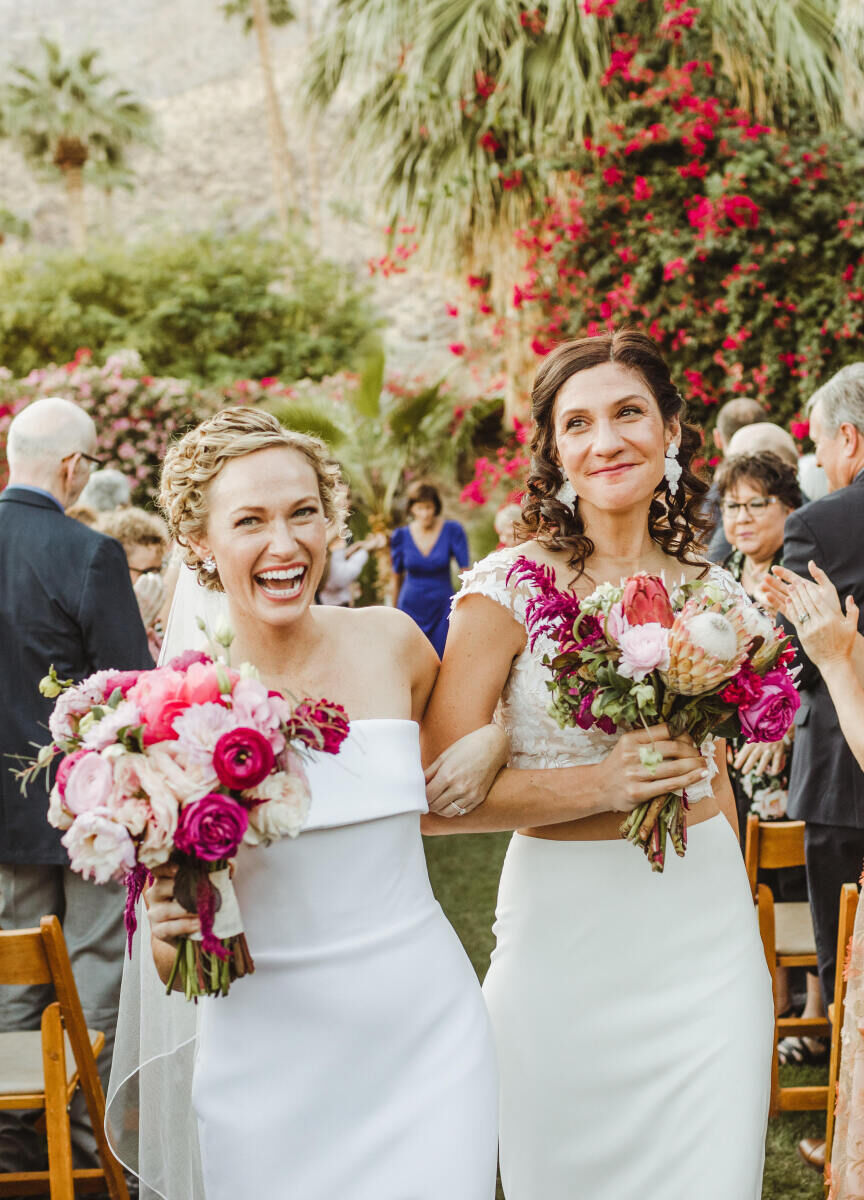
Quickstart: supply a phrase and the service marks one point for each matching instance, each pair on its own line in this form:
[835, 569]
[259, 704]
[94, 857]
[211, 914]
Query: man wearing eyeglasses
[826, 785]
[66, 600]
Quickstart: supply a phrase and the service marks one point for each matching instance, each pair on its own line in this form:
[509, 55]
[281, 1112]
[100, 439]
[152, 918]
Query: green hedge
[204, 308]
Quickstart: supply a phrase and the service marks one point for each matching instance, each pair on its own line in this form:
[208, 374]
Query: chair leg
[56, 1113]
[91, 1085]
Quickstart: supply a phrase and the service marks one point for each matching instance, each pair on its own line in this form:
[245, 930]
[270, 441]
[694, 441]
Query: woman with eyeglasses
[145, 540]
[757, 493]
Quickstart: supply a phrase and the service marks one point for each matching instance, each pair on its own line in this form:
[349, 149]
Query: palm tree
[258, 16]
[63, 115]
[463, 106]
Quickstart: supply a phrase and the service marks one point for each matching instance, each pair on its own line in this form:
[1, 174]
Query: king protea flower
[706, 647]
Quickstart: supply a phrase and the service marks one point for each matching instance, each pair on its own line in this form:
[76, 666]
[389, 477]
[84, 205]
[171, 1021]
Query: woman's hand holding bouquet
[181, 765]
[696, 661]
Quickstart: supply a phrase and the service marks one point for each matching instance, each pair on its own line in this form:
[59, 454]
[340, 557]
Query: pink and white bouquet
[182, 763]
[703, 659]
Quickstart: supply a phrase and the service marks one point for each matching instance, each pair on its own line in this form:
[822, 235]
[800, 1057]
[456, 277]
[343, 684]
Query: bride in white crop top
[357, 1062]
[632, 1011]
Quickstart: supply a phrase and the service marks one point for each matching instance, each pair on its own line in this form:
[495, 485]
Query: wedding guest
[144, 539]
[758, 492]
[106, 490]
[422, 553]
[731, 416]
[83, 513]
[813, 480]
[826, 785]
[764, 436]
[345, 563]
[65, 600]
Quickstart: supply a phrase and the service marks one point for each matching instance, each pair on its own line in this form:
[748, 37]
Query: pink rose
[159, 697]
[66, 765]
[769, 716]
[319, 725]
[88, 784]
[99, 848]
[644, 648]
[243, 758]
[211, 828]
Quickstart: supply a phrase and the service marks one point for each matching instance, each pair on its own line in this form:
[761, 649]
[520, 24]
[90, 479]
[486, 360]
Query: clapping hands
[825, 632]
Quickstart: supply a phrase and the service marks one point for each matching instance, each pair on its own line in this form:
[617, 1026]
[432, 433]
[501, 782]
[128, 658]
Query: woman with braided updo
[632, 1012]
[357, 1061]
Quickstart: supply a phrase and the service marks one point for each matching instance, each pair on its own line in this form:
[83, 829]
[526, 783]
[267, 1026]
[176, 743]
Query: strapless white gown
[632, 1011]
[357, 1062]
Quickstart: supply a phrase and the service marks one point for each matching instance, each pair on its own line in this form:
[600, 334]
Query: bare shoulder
[379, 626]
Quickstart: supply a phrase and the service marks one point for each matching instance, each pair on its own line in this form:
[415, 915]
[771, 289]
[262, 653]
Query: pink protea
[707, 645]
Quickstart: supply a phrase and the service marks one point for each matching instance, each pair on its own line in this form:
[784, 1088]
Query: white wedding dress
[357, 1062]
[632, 1011]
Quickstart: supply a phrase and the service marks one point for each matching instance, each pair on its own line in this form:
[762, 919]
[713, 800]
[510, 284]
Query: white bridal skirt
[357, 1063]
[634, 1022]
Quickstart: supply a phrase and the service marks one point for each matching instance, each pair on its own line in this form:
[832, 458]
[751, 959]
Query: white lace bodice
[536, 740]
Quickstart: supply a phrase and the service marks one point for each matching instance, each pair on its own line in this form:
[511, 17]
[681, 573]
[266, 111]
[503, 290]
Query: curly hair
[676, 523]
[134, 527]
[764, 470]
[194, 462]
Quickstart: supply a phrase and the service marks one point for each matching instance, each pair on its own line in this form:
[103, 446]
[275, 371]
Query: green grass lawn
[464, 872]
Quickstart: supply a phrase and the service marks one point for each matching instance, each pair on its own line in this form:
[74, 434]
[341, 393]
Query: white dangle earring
[672, 468]
[566, 494]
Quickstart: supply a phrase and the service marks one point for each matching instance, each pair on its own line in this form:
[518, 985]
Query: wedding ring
[805, 617]
[460, 811]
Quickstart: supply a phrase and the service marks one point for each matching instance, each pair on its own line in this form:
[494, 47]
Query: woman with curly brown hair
[632, 1012]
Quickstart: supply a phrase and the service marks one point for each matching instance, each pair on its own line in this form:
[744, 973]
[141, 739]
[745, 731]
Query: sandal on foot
[796, 1052]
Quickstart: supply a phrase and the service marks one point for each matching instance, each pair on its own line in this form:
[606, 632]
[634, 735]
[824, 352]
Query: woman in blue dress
[421, 553]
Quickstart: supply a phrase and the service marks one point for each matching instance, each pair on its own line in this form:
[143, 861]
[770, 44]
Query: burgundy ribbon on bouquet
[135, 881]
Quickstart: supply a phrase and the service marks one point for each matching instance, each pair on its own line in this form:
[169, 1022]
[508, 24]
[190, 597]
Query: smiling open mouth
[282, 584]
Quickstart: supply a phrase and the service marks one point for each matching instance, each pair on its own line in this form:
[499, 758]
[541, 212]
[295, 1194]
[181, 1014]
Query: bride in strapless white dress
[357, 1062]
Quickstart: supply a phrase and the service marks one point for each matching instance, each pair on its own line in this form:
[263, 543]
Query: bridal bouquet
[701, 659]
[182, 763]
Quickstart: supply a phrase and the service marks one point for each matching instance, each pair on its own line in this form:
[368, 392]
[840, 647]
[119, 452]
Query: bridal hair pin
[566, 494]
[209, 564]
[672, 468]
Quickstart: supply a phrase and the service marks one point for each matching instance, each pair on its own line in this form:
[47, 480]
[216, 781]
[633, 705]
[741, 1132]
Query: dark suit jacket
[65, 598]
[826, 785]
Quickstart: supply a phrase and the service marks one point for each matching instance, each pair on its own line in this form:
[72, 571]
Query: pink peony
[160, 698]
[88, 784]
[243, 758]
[769, 716]
[254, 707]
[212, 828]
[124, 680]
[99, 848]
[201, 685]
[644, 648]
[104, 732]
[200, 727]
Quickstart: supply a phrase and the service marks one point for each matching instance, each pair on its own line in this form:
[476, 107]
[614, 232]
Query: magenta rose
[211, 828]
[769, 716]
[319, 724]
[242, 758]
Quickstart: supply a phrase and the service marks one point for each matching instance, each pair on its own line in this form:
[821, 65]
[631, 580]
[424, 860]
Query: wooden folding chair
[837, 1010]
[787, 936]
[42, 1070]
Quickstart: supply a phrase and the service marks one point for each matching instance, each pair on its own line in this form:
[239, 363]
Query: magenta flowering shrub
[136, 415]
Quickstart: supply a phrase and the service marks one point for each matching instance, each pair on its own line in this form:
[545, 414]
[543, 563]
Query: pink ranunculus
[88, 784]
[202, 684]
[320, 725]
[181, 662]
[212, 828]
[645, 601]
[644, 648]
[159, 696]
[243, 758]
[99, 848]
[769, 716]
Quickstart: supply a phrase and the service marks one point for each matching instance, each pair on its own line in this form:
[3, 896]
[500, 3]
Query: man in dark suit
[826, 787]
[65, 599]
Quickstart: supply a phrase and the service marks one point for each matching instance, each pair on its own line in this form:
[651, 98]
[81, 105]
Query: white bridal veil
[149, 1119]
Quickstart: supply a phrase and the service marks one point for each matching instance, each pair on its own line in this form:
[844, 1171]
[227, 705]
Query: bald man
[65, 600]
[764, 435]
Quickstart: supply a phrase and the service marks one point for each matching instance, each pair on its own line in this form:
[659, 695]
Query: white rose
[282, 808]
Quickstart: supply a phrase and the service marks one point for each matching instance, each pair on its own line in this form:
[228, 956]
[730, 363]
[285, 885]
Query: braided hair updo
[676, 522]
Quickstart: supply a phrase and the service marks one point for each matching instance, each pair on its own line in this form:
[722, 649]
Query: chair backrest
[22, 957]
[771, 844]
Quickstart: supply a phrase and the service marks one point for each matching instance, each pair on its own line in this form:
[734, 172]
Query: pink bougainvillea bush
[136, 415]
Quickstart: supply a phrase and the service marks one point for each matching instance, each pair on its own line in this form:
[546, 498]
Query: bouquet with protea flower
[183, 763]
[700, 658]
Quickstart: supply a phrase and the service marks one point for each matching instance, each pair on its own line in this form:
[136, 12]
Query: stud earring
[566, 494]
[672, 468]
[209, 564]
